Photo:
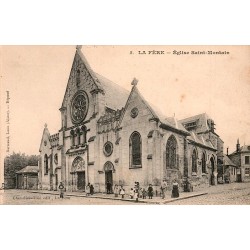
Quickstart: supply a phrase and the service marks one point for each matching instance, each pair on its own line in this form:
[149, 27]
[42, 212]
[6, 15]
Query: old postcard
[125, 125]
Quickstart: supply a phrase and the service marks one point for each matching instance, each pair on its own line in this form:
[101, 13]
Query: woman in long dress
[175, 190]
[87, 190]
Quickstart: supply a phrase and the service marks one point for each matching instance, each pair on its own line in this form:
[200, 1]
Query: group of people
[118, 191]
[136, 192]
[89, 189]
[175, 189]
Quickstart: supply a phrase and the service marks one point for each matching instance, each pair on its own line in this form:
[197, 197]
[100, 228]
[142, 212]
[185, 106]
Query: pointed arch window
[194, 161]
[203, 163]
[171, 153]
[46, 164]
[135, 150]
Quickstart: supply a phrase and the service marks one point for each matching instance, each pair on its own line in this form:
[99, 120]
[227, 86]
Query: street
[227, 194]
[23, 197]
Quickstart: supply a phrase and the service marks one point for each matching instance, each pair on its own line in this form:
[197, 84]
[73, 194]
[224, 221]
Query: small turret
[238, 146]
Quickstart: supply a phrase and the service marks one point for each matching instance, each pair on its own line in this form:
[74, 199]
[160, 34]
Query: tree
[16, 162]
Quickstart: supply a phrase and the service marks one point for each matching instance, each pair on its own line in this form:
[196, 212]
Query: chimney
[227, 151]
[238, 146]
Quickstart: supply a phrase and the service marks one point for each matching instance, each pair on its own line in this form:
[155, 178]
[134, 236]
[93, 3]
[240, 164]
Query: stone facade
[109, 134]
[241, 158]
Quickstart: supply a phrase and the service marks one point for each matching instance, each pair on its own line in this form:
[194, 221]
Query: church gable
[136, 110]
[81, 78]
[45, 141]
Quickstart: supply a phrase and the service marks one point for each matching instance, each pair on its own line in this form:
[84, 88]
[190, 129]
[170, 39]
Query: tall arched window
[46, 164]
[84, 133]
[135, 150]
[194, 161]
[203, 163]
[171, 153]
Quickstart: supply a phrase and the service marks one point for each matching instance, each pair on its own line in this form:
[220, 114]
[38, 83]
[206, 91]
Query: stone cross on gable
[134, 82]
[78, 47]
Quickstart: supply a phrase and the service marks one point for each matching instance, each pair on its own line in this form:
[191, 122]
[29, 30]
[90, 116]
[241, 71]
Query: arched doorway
[78, 174]
[109, 169]
[212, 177]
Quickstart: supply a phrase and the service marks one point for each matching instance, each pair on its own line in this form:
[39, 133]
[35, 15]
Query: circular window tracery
[79, 107]
[108, 148]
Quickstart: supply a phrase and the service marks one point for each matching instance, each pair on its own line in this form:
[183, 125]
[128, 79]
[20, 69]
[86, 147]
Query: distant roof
[245, 148]
[115, 95]
[228, 162]
[28, 170]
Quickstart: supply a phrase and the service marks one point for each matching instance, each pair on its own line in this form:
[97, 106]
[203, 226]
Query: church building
[110, 134]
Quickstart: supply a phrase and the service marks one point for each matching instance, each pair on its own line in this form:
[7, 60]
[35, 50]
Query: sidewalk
[155, 200]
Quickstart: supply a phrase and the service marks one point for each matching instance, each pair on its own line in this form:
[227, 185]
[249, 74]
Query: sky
[179, 85]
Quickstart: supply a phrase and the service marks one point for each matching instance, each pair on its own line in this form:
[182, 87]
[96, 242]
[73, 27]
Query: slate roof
[200, 140]
[245, 148]
[201, 120]
[28, 170]
[115, 95]
[172, 121]
[227, 161]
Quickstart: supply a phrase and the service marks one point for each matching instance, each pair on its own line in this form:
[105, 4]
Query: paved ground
[22, 197]
[227, 194]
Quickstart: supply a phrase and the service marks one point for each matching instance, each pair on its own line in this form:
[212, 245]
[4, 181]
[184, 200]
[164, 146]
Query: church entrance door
[109, 180]
[81, 180]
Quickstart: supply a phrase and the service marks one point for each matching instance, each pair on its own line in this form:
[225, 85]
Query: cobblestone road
[227, 194]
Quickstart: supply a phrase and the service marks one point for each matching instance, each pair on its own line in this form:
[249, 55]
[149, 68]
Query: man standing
[164, 186]
[61, 187]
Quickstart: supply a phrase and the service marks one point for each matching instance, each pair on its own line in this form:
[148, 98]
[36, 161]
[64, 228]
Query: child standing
[116, 190]
[131, 193]
[122, 192]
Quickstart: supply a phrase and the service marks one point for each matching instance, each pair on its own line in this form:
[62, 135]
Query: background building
[27, 178]
[241, 158]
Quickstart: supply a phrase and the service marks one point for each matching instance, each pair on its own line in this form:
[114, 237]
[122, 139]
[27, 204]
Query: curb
[183, 198]
[120, 199]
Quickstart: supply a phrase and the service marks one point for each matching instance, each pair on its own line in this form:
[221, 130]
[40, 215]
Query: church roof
[115, 95]
[28, 170]
[201, 121]
[172, 121]
[200, 140]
